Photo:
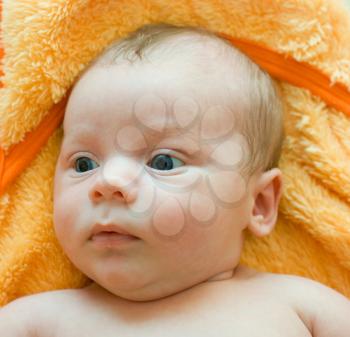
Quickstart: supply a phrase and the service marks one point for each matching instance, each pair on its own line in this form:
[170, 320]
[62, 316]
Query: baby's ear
[267, 194]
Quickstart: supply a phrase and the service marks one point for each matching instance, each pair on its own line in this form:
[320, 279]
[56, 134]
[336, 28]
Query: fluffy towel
[48, 43]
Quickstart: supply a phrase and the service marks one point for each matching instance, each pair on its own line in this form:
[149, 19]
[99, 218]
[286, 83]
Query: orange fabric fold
[277, 65]
[300, 74]
[20, 155]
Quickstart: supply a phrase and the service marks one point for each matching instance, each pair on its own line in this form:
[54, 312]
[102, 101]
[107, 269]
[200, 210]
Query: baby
[162, 243]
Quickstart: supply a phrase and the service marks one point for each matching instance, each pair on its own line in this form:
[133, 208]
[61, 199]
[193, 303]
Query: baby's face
[154, 150]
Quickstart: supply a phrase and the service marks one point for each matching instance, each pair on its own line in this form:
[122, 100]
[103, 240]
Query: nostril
[118, 194]
[97, 194]
[100, 195]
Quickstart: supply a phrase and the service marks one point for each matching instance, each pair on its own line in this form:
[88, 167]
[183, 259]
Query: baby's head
[187, 100]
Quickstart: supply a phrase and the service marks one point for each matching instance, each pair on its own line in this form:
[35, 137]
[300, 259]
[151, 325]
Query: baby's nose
[116, 180]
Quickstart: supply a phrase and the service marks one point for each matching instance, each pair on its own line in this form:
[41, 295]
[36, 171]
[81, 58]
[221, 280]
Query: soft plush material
[47, 43]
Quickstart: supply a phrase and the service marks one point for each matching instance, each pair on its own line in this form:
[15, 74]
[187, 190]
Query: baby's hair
[262, 126]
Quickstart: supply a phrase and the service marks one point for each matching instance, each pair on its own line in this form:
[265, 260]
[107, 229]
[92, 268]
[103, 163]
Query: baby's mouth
[112, 237]
[109, 233]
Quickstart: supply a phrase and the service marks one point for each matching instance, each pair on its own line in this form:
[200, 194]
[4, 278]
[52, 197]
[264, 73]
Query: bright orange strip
[297, 73]
[2, 167]
[277, 65]
[23, 153]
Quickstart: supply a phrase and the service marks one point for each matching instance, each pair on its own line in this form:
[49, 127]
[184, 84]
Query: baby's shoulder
[37, 314]
[316, 304]
[291, 289]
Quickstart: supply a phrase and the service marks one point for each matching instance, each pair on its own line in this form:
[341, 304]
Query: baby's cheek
[169, 217]
[176, 212]
[65, 213]
[171, 206]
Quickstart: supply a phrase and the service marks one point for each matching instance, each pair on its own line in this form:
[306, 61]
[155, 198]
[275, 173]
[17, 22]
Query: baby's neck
[236, 274]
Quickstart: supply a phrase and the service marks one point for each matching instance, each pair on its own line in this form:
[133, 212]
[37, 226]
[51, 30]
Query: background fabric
[48, 43]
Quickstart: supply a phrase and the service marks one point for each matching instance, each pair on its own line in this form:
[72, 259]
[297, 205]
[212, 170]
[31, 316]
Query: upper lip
[109, 227]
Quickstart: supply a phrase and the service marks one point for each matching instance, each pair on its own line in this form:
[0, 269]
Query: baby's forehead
[204, 55]
[191, 70]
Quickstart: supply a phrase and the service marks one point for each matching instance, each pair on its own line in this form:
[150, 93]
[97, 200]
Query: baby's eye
[83, 164]
[164, 162]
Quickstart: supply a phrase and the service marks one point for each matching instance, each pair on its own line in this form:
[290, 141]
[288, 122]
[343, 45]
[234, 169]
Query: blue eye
[164, 162]
[83, 164]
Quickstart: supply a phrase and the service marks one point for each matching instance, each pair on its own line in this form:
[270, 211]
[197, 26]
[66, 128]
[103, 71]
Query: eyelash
[167, 155]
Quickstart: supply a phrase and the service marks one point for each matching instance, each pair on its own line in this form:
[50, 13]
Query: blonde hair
[262, 126]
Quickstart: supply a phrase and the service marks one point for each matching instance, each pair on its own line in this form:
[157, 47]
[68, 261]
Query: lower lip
[112, 239]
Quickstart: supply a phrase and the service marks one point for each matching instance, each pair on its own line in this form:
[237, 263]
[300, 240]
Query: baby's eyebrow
[174, 135]
[77, 135]
[168, 129]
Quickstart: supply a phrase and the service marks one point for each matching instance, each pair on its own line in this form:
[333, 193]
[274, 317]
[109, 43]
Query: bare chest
[240, 319]
[193, 329]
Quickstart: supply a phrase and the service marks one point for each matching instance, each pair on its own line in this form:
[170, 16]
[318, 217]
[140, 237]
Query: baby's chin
[159, 290]
[139, 291]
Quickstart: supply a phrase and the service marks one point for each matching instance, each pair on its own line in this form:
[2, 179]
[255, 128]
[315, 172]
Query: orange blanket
[304, 46]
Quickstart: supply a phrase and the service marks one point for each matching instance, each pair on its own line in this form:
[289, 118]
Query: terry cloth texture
[48, 43]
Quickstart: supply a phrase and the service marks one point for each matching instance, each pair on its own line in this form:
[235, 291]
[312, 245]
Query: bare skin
[247, 305]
